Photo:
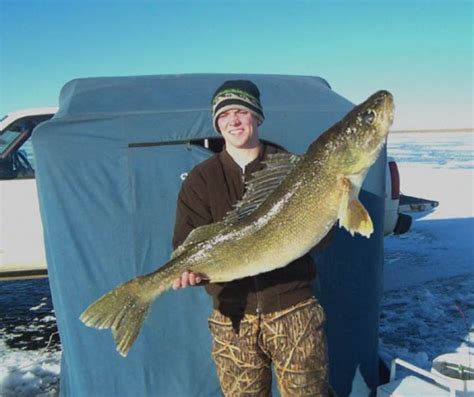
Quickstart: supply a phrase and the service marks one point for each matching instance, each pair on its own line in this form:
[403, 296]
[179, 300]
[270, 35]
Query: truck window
[16, 152]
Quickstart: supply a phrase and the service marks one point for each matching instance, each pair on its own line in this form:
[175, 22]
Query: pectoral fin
[357, 219]
[352, 214]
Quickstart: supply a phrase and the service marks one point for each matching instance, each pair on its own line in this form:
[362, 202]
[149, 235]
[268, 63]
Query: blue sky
[422, 51]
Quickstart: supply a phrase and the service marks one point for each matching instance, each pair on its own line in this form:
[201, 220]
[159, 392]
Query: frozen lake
[428, 303]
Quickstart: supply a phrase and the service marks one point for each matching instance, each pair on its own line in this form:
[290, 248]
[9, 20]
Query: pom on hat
[236, 94]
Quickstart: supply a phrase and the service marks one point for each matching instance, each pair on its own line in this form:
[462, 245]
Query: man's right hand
[188, 278]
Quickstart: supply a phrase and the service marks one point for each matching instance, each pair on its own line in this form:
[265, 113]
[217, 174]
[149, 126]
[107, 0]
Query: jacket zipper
[254, 278]
[257, 308]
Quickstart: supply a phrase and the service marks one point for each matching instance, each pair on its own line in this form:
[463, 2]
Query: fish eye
[368, 116]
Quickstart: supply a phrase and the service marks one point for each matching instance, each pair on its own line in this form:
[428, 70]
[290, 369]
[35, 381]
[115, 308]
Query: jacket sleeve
[192, 209]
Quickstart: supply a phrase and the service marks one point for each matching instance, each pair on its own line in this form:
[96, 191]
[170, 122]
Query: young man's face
[239, 128]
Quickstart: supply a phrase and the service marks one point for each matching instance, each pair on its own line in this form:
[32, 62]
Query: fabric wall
[109, 167]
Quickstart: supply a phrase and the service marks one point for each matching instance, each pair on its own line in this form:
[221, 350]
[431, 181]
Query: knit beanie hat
[236, 94]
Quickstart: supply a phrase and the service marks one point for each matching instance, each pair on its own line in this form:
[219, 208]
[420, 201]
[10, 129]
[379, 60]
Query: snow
[29, 373]
[34, 308]
[428, 302]
[440, 243]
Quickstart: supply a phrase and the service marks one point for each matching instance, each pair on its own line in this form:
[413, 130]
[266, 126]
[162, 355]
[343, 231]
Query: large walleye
[287, 209]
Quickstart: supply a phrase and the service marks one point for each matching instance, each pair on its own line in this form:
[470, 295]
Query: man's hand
[188, 278]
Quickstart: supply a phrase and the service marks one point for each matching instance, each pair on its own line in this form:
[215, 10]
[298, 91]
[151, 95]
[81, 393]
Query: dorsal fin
[198, 235]
[263, 183]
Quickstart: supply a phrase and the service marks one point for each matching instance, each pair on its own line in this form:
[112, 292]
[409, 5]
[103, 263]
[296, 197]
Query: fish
[287, 209]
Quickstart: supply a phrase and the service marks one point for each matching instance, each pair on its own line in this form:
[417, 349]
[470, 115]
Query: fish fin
[357, 219]
[198, 235]
[353, 216]
[262, 184]
[123, 310]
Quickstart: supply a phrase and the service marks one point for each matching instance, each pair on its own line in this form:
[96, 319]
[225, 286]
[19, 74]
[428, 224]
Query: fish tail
[123, 310]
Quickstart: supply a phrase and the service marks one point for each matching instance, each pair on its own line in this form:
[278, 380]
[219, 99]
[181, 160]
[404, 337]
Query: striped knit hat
[236, 94]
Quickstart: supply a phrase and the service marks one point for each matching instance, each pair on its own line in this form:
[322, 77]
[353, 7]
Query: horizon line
[468, 129]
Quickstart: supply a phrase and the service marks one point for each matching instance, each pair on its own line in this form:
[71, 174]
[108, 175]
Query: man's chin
[237, 142]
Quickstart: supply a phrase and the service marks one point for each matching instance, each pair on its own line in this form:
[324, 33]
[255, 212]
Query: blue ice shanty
[109, 167]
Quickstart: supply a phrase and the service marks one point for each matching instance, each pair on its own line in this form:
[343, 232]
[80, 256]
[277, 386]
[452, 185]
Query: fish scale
[271, 227]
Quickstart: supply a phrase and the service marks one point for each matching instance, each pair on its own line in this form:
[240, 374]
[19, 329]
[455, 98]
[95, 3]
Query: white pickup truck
[21, 238]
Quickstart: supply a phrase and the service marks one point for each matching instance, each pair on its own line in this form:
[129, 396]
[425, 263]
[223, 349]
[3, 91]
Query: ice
[428, 302]
[28, 373]
[42, 304]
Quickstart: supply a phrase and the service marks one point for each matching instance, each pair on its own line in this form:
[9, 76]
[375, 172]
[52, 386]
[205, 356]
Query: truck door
[21, 235]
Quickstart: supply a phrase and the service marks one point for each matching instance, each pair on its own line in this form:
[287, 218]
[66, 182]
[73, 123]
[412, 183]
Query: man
[269, 318]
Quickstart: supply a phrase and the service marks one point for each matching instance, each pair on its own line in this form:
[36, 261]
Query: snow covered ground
[29, 344]
[29, 373]
[428, 303]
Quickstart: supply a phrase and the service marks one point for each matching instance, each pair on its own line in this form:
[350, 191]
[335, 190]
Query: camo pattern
[292, 339]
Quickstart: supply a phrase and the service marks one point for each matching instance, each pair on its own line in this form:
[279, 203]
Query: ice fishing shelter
[109, 168]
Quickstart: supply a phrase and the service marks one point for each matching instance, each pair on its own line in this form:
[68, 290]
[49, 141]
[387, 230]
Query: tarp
[109, 168]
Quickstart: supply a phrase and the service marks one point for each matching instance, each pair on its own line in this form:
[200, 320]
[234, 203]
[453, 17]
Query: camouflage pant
[292, 339]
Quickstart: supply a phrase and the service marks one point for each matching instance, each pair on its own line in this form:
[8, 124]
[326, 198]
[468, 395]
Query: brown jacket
[207, 194]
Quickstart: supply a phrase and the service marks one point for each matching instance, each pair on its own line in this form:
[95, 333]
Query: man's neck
[243, 156]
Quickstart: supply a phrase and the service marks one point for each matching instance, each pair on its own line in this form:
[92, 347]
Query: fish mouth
[383, 108]
[386, 104]
[385, 96]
